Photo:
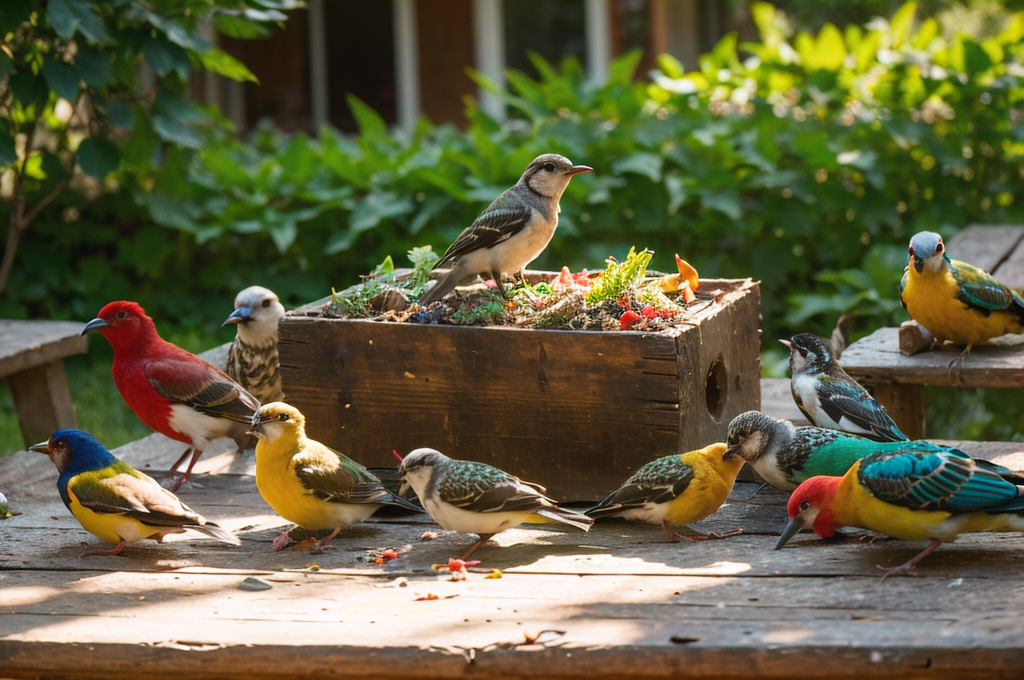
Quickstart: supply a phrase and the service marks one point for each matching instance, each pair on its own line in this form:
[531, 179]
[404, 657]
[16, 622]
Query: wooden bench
[32, 359]
[898, 381]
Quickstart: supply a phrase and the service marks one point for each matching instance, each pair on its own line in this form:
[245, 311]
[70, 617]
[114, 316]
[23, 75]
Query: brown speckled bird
[252, 358]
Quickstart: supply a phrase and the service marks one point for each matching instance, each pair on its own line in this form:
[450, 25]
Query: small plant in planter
[624, 296]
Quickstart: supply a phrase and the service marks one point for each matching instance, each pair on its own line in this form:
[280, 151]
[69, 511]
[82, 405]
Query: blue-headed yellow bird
[309, 483]
[954, 300]
[675, 490]
[913, 496]
[115, 502]
[829, 397]
[477, 498]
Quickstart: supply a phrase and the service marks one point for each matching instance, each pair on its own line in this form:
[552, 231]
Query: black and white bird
[252, 357]
[829, 397]
[512, 231]
[478, 498]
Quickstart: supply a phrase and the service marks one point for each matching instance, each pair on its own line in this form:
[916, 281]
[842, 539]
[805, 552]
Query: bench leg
[43, 400]
[905, 404]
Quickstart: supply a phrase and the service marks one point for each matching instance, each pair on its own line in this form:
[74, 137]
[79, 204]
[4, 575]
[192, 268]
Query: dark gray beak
[41, 447]
[918, 263]
[791, 530]
[254, 426]
[93, 325]
[731, 452]
[240, 315]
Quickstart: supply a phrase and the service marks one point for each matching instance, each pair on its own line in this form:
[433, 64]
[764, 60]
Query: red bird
[172, 391]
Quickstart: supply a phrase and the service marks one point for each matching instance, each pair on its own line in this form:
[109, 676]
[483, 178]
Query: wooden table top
[25, 344]
[617, 602]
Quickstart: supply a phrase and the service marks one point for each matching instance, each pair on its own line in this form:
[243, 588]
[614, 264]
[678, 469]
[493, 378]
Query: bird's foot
[322, 544]
[954, 369]
[905, 569]
[714, 535]
[281, 541]
[471, 549]
[871, 539]
[93, 550]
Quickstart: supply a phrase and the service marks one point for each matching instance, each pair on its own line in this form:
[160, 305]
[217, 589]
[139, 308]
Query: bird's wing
[197, 384]
[481, 488]
[926, 477]
[118, 489]
[333, 476]
[491, 228]
[979, 289]
[903, 284]
[847, 399]
[659, 481]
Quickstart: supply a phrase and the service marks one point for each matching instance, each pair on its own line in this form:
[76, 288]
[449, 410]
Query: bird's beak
[579, 170]
[918, 263]
[731, 452]
[791, 530]
[240, 315]
[94, 325]
[254, 426]
[41, 447]
[787, 343]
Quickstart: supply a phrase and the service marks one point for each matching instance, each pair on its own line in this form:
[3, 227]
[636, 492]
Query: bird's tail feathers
[396, 500]
[567, 517]
[215, 531]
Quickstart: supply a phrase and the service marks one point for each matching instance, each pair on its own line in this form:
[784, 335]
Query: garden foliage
[793, 159]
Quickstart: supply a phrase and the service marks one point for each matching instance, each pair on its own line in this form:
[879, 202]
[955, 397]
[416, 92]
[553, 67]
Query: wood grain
[986, 246]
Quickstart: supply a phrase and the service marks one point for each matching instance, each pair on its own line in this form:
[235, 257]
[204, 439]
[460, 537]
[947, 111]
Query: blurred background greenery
[804, 156]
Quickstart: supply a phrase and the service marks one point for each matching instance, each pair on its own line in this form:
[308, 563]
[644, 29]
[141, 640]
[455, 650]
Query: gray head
[257, 313]
[549, 174]
[419, 466]
[807, 352]
[752, 434]
[927, 250]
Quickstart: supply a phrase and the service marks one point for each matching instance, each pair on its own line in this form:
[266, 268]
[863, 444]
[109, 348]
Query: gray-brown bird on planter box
[512, 231]
[252, 357]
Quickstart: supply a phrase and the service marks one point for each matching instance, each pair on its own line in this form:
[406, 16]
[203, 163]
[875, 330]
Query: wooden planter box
[575, 411]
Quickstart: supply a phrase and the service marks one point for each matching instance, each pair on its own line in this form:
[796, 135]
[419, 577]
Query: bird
[786, 455]
[910, 495]
[172, 391]
[115, 502]
[513, 230]
[956, 301]
[829, 397]
[477, 498]
[675, 490]
[309, 483]
[252, 358]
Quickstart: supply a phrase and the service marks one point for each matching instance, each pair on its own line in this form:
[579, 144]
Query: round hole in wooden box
[716, 388]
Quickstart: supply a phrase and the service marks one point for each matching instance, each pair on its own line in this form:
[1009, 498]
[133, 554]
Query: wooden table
[32, 359]
[898, 381]
[615, 603]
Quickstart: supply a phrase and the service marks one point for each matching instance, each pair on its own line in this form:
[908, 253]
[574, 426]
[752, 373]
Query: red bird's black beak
[94, 325]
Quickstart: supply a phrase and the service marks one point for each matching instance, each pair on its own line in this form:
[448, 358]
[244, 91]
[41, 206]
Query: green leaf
[831, 51]
[164, 56]
[647, 164]
[222, 63]
[378, 206]
[283, 234]
[68, 16]
[8, 153]
[370, 123]
[726, 201]
[62, 79]
[240, 28]
[98, 157]
[93, 65]
[6, 65]
[899, 27]
[52, 167]
[28, 88]
[174, 130]
[118, 113]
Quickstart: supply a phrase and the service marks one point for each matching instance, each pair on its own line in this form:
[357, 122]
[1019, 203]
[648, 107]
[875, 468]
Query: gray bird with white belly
[512, 231]
[252, 357]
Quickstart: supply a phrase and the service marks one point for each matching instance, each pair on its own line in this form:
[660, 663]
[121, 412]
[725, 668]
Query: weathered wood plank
[571, 407]
[905, 403]
[43, 400]
[986, 246]
[877, 359]
[25, 344]
[1011, 271]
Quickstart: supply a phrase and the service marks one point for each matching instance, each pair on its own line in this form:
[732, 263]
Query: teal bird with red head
[115, 502]
[929, 496]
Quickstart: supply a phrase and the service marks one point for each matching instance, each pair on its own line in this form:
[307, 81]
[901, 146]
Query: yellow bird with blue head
[115, 502]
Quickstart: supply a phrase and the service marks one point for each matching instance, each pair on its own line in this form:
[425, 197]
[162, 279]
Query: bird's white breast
[456, 519]
[652, 513]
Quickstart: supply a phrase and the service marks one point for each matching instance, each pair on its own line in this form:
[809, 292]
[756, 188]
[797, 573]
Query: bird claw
[281, 541]
[954, 369]
[714, 535]
[905, 569]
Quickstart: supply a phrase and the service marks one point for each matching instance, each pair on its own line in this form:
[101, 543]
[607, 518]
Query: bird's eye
[59, 443]
[911, 250]
[266, 303]
[550, 167]
[939, 248]
[122, 315]
[283, 417]
[805, 505]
